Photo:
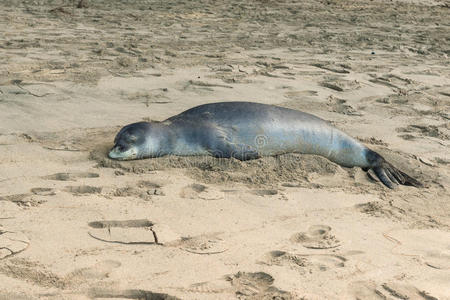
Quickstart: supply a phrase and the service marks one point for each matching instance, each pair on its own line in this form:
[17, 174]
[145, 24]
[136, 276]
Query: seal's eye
[132, 138]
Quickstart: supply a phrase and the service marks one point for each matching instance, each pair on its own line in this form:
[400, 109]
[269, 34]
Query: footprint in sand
[192, 191]
[317, 237]
[392, 81]
[32, 272]
[145, 232]
[339, 84]
[413, 131]
[71, 176]
[12, 242]
[98, 271]
[99, 293]
[83, 189]
[244, 285]
[22, 200]
[148, 184]
[263, 193]
[40, 275]
[144, 190]
[371, 291]
[438, 259]
[133, 232]
[331, 66]
[258, 285]
[9, 210]
[298, 95]
[124, 232]
[43, 191]
[210, 287]
[17, 198]
[200, 191]
[340, 106]
[305, 263]
[433, 250]
[27, 199]
[201, 244]
[150, 188]
[257, 197]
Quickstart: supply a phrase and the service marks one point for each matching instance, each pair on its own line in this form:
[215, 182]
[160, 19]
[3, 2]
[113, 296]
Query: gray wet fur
[247, 130]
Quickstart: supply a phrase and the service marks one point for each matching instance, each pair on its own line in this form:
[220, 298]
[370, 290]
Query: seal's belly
[275, 139]
[278, 137]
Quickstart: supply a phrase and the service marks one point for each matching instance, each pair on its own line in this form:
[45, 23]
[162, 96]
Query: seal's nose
[120, 152]
[114, 153]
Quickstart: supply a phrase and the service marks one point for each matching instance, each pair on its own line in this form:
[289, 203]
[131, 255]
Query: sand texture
[77, 225]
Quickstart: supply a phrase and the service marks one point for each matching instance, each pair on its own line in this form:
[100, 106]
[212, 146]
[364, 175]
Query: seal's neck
[185, 139]
[159, 141]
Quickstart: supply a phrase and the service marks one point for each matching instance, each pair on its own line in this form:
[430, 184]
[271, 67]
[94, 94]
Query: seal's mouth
[119, 154]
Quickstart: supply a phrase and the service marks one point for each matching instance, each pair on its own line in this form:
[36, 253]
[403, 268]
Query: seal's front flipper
[239, 151]
[224, 147]
[244, 152]
[388, 174]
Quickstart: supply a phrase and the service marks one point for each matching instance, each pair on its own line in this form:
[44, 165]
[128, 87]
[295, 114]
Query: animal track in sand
[70, 176]
[305, 263]
[317, 237]
[12, 243]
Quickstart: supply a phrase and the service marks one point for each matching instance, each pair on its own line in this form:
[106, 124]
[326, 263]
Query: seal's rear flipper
[388, 174]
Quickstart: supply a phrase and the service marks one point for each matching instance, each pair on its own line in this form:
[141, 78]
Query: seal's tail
[388, 174]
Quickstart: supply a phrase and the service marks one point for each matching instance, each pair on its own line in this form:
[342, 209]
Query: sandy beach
[75, 224]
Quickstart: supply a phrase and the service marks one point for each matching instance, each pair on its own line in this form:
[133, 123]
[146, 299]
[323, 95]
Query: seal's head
[135, 141]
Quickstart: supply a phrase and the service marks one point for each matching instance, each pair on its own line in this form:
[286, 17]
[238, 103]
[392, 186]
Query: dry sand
[76, 225]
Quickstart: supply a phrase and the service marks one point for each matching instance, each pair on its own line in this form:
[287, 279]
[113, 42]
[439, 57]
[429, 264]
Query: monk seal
[247, 130]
